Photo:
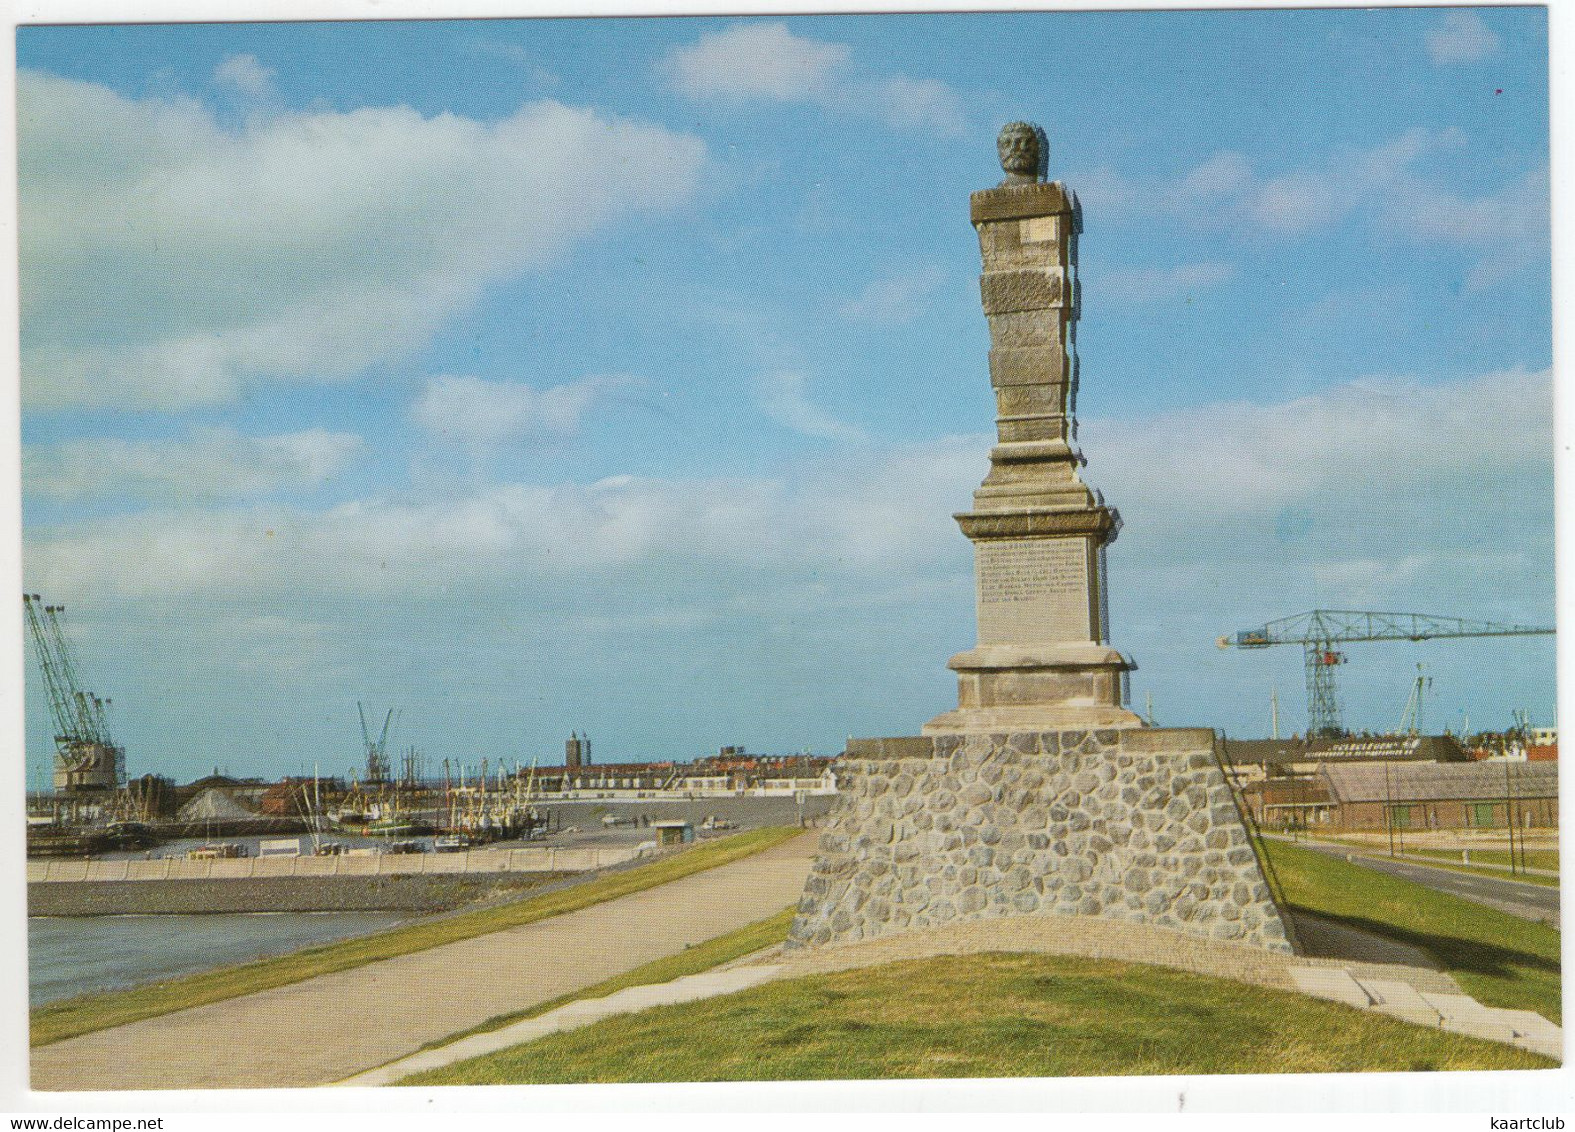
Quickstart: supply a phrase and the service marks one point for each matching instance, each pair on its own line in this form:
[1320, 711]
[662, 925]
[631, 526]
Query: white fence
[538, 860]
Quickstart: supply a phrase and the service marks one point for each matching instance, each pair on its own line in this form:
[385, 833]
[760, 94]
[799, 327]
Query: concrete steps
[1533, 1032]
[1400, 1000]
[1523, 1028]
[1332, 983]
[1420, 997]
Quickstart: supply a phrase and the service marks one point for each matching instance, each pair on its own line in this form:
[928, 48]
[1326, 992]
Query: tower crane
[86, 757]
[1411, 717]
[377, 769]
[1319, 631]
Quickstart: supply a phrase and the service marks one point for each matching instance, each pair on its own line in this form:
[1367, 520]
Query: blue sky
[622, 375]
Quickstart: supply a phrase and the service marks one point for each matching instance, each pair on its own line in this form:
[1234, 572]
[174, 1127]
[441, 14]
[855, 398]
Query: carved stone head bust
[1018, 146]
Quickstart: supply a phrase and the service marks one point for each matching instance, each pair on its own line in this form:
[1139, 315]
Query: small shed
[674, 831]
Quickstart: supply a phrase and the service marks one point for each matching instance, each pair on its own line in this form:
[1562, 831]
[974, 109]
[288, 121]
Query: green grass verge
[1492, 874]
[691, 961]
[984, 1016]
[1531, 858]
[1499, 959]
[87, 1013]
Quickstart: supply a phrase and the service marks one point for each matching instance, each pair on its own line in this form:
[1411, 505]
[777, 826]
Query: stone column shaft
[1037, 529]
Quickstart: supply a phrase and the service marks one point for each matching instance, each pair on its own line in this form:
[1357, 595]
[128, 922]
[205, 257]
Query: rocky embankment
[434, 893]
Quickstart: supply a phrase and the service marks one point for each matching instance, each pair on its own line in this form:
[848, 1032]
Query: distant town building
[1308, 754]
[1409, 796]
[577, 751]
[730, 772]
[1453, 796]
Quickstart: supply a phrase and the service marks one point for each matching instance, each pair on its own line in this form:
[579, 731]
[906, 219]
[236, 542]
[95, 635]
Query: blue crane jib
[1319, 630]
[1330, 626]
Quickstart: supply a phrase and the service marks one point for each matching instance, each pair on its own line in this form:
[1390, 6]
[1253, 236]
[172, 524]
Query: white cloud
[1374, 469]
[784, 396]
[1506, 230]
[517, 55]
[1148, 285]
[864, 518]
[1390, 495]
[169, 261]
[913, 104]
[244, 74]
[1222, 174]
[896, 299]
[794, 584]
[767, 61]
[1461, 37]
[487, 412]
[1429, 481]
[1509, 230]
[209, 464]
[755, 60]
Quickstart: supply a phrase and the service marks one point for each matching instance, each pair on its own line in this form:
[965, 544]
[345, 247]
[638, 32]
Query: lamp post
[1389, 810]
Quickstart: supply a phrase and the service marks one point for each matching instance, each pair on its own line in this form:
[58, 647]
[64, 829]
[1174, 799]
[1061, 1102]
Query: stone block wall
[1133, 824]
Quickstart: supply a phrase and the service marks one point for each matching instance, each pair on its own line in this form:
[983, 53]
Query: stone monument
[1039, 533]
[1041, 794]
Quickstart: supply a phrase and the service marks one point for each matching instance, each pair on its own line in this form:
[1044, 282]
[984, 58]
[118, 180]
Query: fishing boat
[217, 851]
[131, 835]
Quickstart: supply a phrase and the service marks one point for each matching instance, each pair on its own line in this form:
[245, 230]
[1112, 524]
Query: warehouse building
[1479, 795]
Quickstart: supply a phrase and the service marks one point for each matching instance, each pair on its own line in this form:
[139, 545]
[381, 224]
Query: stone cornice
[1019, 202]
[1102, 522]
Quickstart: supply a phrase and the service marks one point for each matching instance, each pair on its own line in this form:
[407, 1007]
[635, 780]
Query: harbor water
[71, 955]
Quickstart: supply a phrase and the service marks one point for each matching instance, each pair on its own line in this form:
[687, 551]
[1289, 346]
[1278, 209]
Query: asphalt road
[1529, 901]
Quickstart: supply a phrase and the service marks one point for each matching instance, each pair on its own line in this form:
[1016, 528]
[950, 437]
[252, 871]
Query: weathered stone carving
[1020, 150]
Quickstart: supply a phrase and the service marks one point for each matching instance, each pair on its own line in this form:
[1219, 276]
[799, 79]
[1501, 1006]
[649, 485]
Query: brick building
[1480, 795]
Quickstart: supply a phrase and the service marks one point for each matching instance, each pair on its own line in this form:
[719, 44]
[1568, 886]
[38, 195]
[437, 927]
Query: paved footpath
[331, 1027]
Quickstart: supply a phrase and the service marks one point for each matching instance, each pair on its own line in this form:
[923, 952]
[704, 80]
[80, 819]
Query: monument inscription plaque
[1034, 590]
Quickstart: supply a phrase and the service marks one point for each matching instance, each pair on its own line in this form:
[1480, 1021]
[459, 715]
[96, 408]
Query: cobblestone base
[1135, 825]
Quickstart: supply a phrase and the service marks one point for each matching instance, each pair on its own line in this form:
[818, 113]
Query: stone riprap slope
[1130, 824]
[434, 893]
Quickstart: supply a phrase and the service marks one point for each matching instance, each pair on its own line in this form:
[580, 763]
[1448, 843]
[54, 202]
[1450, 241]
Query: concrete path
[571, 1016]
[1528, 901]
[328, 1028]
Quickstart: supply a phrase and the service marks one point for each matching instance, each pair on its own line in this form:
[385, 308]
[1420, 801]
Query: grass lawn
[991, 1015]
[1499, 959]
[1531, 858]
[87, 1013]
[1496, 874]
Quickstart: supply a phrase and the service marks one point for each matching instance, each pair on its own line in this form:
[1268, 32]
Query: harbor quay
[587, 837]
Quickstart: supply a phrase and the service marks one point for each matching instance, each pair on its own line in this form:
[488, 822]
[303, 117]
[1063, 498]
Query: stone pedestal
[1039, 533]
[1133, 824]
